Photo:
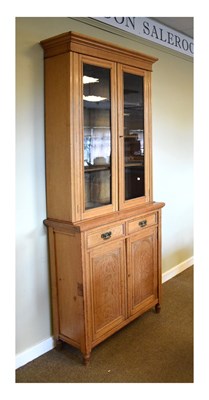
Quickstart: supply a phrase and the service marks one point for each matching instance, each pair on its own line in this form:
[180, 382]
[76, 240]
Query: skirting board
[48, 344]
[177, 269]
[34, 352]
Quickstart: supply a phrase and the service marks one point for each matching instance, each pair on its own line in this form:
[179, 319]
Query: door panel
[134, 136]
[142, 269]
[98, 122]
[107, 270]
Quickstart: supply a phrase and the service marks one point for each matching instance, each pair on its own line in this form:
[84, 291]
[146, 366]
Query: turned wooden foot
[157, 308]
[59, 345]
[86, 358]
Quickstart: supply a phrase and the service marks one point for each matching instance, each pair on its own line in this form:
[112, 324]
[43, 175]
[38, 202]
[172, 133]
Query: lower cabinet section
[103, 277]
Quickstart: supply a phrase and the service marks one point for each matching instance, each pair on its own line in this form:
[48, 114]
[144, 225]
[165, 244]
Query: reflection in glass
[134, 136]
[97, 136]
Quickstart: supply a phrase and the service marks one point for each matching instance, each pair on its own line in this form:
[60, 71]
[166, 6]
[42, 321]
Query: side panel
[69, 286]
[57, 133]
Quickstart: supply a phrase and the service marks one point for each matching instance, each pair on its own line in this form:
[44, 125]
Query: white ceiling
[180, 24]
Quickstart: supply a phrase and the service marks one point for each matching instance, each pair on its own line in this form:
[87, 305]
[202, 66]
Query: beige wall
[172, 163]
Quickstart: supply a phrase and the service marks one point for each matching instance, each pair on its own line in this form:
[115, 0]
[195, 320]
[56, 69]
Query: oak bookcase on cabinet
[104, 228]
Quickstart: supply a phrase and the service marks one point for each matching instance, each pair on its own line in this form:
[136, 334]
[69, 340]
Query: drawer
[104, 235]
[143, 222]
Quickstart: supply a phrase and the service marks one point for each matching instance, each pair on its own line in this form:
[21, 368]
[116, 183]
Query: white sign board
[153, 31]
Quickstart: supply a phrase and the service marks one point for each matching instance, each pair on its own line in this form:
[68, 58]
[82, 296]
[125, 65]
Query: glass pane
[97, 136]
[134, 136]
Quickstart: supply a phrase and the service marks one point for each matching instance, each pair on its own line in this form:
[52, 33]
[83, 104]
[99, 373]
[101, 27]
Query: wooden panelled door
[107, 275]
[142, 269]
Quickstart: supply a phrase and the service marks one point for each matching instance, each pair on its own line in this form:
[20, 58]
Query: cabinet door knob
[106, 235]
[143, 223]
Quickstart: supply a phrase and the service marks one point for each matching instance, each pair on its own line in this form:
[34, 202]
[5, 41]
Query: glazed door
[134, 137]
[98, 128]
[106, 274]
[142, 269]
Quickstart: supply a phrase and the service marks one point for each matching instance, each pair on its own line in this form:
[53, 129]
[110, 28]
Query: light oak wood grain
[105, 262]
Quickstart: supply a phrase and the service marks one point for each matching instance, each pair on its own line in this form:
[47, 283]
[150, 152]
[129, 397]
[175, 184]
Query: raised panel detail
[107, 280]
[142, 269]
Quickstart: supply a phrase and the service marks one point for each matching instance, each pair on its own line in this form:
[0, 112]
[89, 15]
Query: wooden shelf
[134, 164]
[96, 168]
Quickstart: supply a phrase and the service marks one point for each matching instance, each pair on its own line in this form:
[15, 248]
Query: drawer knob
[106, 235]
[143, 223]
